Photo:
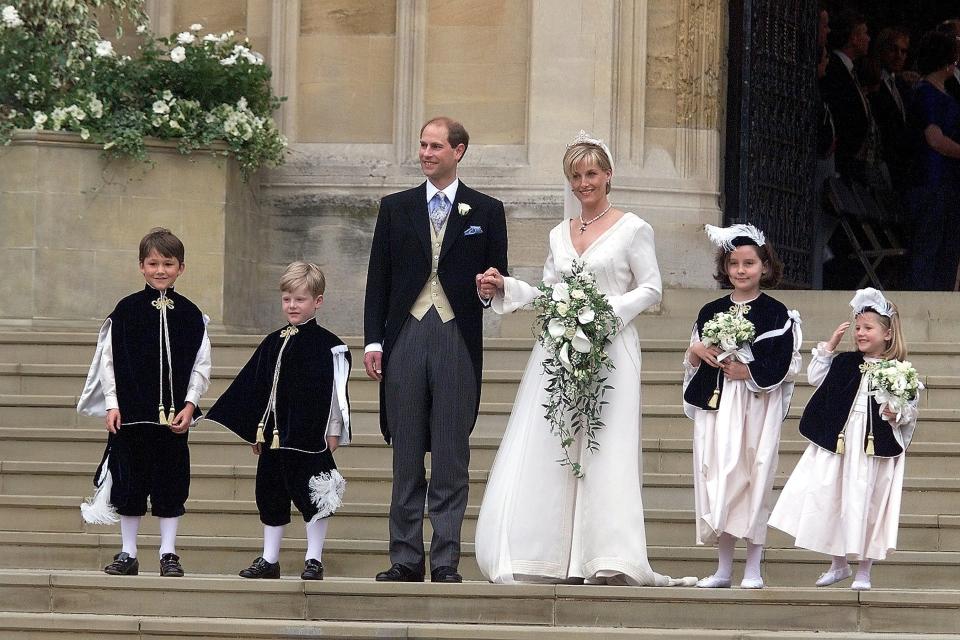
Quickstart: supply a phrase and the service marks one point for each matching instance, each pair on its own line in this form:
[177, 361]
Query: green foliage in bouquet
[58, 74]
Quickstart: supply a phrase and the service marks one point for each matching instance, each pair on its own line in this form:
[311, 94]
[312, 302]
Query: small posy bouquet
[893, 382]
[732, 332]
[575, 323]
[728, 330]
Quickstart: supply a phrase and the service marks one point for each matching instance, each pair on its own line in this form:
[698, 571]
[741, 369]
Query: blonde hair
[589, 153]
[896, 345]
[299, 274]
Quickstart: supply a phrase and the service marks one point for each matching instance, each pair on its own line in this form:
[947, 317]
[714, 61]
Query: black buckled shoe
[400, 573]
[170, 566]
[262, 569]
[312, 570]
[123, 565]
[445, 574]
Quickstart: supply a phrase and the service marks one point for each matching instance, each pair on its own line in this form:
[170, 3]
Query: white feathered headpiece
[723, 237]
[870, 298]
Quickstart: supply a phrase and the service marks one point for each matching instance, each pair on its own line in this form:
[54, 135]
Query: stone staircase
[51, 585]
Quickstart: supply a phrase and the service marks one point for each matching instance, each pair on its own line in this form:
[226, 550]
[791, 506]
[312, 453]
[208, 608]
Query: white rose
[569, 333]
[142, 29]
[10, 17]
[229, 60]
[104, 49]
[84, 134]
[186, 37]
[196, 26]
[161, 107]
[210, 38]
[581, 342]
[178, 54]
[168, 95]
[577, 294]
[562, 309]
[586, 315]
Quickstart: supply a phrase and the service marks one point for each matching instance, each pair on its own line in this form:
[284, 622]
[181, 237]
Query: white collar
[450, 191]
[845, 59]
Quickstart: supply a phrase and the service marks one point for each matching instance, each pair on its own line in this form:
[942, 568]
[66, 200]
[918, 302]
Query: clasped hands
[181, 423]
[732, 368]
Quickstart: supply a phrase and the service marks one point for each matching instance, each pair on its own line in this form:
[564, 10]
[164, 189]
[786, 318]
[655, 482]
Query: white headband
[872, 299]
[723, 237]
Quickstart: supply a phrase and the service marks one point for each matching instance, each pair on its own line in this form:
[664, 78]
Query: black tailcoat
[400, 266]
[839, 90]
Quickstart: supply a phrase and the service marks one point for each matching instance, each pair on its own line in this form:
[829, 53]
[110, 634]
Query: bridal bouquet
[893, 382]
[575, 322]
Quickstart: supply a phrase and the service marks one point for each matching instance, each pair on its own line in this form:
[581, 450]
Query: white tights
[725, 546]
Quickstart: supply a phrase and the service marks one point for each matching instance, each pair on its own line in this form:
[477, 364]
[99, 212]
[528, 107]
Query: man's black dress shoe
[123, 565]
[400, 573]
[312, 570]
[170, 566]
[261, 569]
[445, 574]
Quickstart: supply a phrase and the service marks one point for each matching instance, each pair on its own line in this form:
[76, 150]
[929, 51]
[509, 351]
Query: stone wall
[72, 223]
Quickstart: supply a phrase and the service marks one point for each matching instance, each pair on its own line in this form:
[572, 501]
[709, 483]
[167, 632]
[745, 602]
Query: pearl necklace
[586, 223]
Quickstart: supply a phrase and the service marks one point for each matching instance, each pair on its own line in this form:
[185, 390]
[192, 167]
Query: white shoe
[751, 583]
[713, 582]
[861, 585]
[833, 576]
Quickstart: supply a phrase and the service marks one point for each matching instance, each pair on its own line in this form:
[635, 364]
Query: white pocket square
[472, 231]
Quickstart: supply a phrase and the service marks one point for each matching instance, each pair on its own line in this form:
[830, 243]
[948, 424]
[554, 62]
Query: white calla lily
[581, 342]
[586, 315]
[556, 328]
[561, 292]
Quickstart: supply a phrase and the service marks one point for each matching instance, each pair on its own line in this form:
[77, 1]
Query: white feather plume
[326, 492]
[873, 299]
[723, 237]
[98, 510]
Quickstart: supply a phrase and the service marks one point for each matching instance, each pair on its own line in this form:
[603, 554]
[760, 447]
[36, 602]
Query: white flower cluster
[893, 382]
[104, 49]
[240, 51]
[239, 123]
[11, 19]
[729, 331]
[571, 312]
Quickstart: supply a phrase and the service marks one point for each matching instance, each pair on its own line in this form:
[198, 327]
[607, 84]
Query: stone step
[786, 609]
[58, 513]
[55, 413]
[933, 356]
[658, 387]
[56, 626]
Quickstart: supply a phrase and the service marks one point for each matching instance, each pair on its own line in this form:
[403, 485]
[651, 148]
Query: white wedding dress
[538, 522]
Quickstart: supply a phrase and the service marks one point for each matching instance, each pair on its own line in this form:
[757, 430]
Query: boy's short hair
[164, 242]
[301, 273]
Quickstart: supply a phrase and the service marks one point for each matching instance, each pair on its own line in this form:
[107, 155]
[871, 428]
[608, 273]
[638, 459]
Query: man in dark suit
[889, 103]
[423, 330]
[842, 92]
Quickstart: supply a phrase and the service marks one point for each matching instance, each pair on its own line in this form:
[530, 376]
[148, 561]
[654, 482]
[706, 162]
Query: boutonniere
[463, 208]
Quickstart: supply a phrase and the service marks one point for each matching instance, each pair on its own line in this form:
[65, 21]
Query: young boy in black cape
[150, 369]
[290, 402]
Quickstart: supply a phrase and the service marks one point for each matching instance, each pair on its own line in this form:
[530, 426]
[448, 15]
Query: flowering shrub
[58, 74]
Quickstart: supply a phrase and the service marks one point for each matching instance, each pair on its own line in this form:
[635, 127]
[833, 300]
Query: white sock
[129, 527]
[272, 537]
[754, 557]
[839, 562]
[316, 534]
[168, 535]
[725, 545]
[863, 570]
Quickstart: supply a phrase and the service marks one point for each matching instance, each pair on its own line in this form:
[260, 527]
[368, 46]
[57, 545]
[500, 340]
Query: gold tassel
[840, 443]
[171, 416]
[276, 439]
[163, 416]
[869, 449]
[714, 399]
[260, 439]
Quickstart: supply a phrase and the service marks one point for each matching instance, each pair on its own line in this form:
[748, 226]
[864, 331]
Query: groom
[423, 331]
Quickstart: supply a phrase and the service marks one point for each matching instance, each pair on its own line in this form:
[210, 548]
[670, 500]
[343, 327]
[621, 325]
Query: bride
[539, 523]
